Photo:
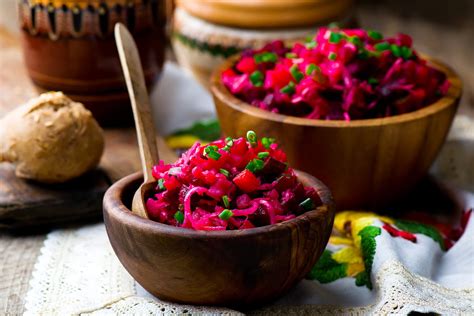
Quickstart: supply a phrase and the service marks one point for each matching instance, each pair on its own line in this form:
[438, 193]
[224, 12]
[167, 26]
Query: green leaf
[204, 130]
[418, 228]
[363, 278]
[327, 269]
[368, 246]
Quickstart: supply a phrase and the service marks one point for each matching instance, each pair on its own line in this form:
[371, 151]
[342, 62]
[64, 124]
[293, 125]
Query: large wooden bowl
[365, 163]
[233, 268]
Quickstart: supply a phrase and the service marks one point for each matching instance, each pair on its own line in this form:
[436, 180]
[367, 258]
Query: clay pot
[69, 46]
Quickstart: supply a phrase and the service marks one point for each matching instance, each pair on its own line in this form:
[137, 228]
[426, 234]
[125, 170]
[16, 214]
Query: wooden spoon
[146, 134]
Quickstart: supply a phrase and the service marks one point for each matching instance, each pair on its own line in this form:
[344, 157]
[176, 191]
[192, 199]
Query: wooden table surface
[447, 37]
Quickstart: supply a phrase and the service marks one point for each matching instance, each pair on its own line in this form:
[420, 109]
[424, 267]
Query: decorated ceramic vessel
[69, 46]
[204, 34]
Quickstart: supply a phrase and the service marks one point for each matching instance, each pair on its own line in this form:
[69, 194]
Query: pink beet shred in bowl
[340, 74]
[229, 184]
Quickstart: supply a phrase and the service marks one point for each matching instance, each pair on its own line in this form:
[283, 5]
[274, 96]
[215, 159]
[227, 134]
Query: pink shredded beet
[229, 184]
[341, 74]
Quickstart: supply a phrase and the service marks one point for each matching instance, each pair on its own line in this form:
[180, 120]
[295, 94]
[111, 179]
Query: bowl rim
[221, 92]
[113, 205]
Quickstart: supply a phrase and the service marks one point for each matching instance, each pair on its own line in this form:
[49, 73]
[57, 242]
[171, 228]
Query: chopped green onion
[375, 35]
[256, 78]
[258, 164]
[161, 184]
[263, 154]
[372, 81]
[332, 56]
[254, 165]
[355, 40]
[307, 204]
[266, 142]
[229, 142]
[333, 25]
[382, 46]
[211, 152]
[311, 44]
[226, 214]
[296, 73]
[289, 88]
[291, 55]
[225, 200]
[179, 217]
[312, 68]
[210, 148]
[224, 172]
[406, 52]
[265, 57]
[252, 138]
[396, 51]
[335, 38]
[214, 155]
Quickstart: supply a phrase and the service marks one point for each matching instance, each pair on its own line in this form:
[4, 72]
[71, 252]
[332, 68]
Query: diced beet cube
[260, 217]
[285, 182]
[246, 181]
[273, 167]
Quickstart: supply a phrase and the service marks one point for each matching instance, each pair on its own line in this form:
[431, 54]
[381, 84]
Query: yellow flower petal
[337, 240]
[348, 255]
[354, 268]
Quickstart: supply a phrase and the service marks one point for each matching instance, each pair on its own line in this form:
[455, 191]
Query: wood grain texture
[26, 204]
[146, 132]
[140, 100]
[366, 163]
[234, 268]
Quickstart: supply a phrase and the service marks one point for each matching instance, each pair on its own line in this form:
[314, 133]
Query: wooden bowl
[234, 268]
[366, 163]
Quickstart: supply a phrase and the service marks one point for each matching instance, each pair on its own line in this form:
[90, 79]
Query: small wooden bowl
[234, 268]
[366, 163]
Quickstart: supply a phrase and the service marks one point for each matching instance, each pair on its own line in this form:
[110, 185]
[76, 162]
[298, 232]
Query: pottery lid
[267, 13]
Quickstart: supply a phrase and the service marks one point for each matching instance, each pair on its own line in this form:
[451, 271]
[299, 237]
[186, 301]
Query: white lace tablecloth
[78, 272]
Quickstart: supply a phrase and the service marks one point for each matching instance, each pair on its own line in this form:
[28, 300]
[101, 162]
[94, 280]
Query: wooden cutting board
[27, 204]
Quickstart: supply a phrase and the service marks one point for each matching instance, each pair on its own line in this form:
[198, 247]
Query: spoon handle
[133, 72]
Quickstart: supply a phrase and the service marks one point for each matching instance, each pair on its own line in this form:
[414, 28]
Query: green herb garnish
[179, 217]
[256, 78]
[289, 88]
[307, 204]
[375, 35]
[296, 73]
[226, 214]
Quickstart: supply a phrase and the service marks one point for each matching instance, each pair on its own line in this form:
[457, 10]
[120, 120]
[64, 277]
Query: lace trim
[399, 292]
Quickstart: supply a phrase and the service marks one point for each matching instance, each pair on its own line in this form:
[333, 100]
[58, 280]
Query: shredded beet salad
[229, 184]
[340, 74]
